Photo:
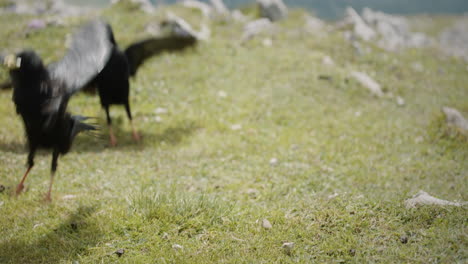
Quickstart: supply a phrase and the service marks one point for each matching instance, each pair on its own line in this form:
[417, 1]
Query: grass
[202, 177]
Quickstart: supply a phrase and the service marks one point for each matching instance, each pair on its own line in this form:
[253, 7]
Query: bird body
[41, 93]
[113, 81]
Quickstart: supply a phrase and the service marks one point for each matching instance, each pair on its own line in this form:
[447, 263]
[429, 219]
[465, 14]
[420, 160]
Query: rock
[394, 31]
[360, 28]
[288, 247]
[404, 239]
[328, 61]
[368, 82]
[238, 16]
[423, 198]
[178, 26]
[267, 42]
[453, 39]
[400, 101]
[314, 24]
[222, 94]
[219, 7]
[206, 9]
[455, 118]
[37, 8]
[274, 10]
[256, 27]
[37, 24]
[266, 224]
[160, 110]
[177, 247]
[236, 127]
[273, 161]
[69, 197]
[119, 252]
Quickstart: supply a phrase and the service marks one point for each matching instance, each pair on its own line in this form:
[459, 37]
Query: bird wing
[138, 52]
[87, 55]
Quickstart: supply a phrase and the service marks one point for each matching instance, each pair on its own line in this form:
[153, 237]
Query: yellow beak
[12, 62]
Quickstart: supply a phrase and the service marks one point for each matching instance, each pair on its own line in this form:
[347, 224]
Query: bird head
[11, 61]
[25, 60]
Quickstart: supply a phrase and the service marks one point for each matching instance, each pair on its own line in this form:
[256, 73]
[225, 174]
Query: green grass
[196, 182]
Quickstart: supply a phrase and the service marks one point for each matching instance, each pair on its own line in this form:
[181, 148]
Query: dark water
[332, 9]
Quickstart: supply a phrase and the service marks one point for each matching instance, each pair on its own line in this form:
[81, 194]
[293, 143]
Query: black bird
[112, 82]
[41, 93]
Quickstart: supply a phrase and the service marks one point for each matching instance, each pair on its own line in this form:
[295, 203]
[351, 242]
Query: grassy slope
[196, 182]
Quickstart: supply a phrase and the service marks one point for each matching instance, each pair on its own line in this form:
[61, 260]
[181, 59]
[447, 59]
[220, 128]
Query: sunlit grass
[198, 186]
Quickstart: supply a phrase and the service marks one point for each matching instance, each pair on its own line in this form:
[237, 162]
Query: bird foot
[113, 141]
[19, 189]
[47, 198]
[136, 136]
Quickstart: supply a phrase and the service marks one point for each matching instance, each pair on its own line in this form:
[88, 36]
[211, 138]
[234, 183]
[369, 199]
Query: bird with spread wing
[41, 93]
[112, 82]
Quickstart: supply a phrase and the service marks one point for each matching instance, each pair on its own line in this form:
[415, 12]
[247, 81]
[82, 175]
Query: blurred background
[334, 9]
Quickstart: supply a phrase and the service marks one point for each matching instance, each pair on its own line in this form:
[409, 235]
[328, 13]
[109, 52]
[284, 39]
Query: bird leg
[113, 139]
[136, 135]
[20, 187]
[55, 155]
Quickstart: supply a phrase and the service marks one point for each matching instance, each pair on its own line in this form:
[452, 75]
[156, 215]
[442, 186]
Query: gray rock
[360, 28]
[394, 31]
[257, 27]
[272, 9]
[178, 26]
[266, 224]
[453, 41]
[219, 7]
[423, 198]
[455, 118]
[368, 82]
[314, 25]
[206, 9]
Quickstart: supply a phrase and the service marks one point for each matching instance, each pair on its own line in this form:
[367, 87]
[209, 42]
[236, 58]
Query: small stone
[222, 94]
[158, 119]
[328, 61]
[177, 247]
[160, 110]
[400, 101]
[288, 247]
[357, 113]
[273, 161]
[266, 224]
[368, 82]
[119, 252]
[332, 196]
[236, 127]
[455, 118]
[404, 239]
[68, 197]
[267, 42]
[272, 9]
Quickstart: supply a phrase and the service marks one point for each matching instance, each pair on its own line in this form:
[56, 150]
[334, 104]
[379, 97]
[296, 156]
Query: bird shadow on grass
[71, 238]
[172, 135]
[13, 147]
